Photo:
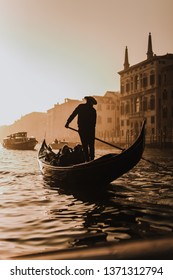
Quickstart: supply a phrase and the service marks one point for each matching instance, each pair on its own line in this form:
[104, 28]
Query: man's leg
[84, 142]
[91, 145]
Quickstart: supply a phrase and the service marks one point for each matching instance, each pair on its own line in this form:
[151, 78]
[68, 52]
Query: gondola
[96, 173]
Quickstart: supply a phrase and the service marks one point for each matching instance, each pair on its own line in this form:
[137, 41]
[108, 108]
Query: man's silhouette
[86, 124]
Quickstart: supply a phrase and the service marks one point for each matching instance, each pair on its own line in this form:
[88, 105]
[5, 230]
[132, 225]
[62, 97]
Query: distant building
[107, 126]
[108, 110]
[56, 119]
[147, 92]
[33, 123]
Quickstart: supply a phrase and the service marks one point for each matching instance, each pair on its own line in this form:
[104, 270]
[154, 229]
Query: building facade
[146, 92]
[108, 116]
[56, 119]
[107, 126]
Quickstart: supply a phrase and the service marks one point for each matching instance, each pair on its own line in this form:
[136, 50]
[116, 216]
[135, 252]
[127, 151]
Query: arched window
[132, 105]
[145, 80]
[141, 85]
[127, 86]
[165, 112]
[145, 104]
[137, 105]
[122, 108]
[131, 83]
[165, 94]
[127, 110]
[122, 88]
[137, 82]
[152, 78]
[152, 102]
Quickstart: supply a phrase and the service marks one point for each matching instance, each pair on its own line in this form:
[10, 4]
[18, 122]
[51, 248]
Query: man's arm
[72, 116]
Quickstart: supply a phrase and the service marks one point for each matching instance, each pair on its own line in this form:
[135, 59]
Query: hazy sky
[53, 49]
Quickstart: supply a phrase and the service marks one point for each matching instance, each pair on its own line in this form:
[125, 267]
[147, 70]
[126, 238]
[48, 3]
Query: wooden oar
[100, 140]
[114, 146]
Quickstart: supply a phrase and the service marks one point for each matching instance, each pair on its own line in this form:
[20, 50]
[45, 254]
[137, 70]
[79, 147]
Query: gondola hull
[98, 172]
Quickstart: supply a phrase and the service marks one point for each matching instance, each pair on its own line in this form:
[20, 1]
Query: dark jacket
[86, 116]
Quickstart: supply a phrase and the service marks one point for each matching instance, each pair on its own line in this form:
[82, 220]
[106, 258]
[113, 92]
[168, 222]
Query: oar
[114, 146]
[100, 140]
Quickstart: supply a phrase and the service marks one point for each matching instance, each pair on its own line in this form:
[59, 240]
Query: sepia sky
[56, 49]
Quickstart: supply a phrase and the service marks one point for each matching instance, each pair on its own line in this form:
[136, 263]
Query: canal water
[37, 216]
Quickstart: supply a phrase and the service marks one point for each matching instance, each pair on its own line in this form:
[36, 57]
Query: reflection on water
[36, 215]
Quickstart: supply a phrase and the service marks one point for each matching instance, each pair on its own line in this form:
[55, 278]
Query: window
[122, 109]
[127, 110]
[137, 82]
[165, 112]
[141, 104]
[122, 88]
[160, 80]
[165, 94]
[127, 86]
[152, 131]
[152, 102]
[137, 105]
[140, 80]
[109, 120]
[131, 83]
[152, 78]
[145, 104]
[152, 119]
[145, 81]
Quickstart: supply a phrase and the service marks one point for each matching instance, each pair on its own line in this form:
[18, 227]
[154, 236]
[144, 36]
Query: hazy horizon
[51, 50]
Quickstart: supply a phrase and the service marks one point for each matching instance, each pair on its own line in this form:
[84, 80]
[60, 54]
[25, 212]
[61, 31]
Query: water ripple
[36, 215]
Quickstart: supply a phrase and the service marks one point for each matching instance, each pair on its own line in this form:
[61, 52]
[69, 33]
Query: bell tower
[126, 60]
[150, 50]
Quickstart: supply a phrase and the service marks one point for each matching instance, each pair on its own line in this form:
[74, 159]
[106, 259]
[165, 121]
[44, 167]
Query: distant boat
[19, 141]
[58, 144]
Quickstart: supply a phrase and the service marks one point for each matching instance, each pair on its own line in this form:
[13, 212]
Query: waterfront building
[107, 126]
[56, 119]
[108, 110]
[146, 91]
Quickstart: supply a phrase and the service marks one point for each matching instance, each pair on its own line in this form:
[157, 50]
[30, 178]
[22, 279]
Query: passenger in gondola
[66, 156]
[86, 123]
[78, 154]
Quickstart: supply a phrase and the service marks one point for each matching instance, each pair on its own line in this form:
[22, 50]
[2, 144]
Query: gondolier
[86, 124]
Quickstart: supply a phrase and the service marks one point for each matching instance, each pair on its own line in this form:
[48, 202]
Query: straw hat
[91, 99]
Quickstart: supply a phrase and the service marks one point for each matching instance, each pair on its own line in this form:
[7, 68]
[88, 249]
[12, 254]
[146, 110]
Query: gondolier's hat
[91, 99]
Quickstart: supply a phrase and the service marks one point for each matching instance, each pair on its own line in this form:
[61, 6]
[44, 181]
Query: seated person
[66, 156]
[78, 154]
